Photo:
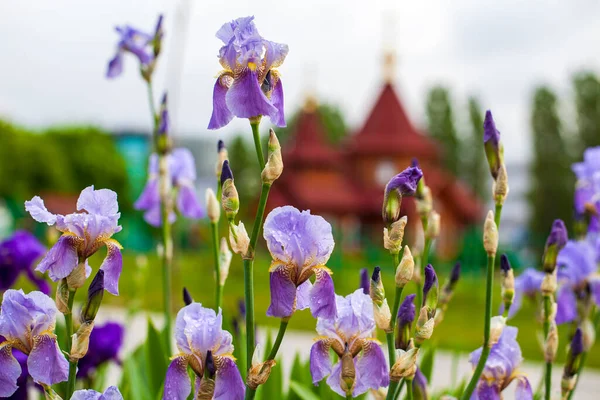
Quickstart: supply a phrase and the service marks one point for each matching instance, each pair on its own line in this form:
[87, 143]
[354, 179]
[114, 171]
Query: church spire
[389, 66]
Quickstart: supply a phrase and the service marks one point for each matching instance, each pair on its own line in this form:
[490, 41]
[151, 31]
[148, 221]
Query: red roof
[389, 132]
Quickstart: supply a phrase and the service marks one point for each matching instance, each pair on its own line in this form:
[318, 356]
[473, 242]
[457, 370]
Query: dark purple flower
[587, 187]
[182, 170]
[455, 274]
[105, 343]
[94, 298]
[430, 279]
[84, 232]
[365, 285]
[403, 184]
[557, 239]
[501, 369]
[249, 86]
[187, 297]
[27, 322]
[220, 146]
[505, 263]
[577, 343]
[226, 172]
[350, 331]
[492, 145]
[198, 331]
[407, 310]
[300, 244]
[526, 284]
[136, 42]
[111, 393]
[163, 125]
[18, 254]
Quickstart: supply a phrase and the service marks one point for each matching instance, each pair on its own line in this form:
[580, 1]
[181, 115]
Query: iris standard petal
[566, 305]
[278, 118]
[46, 363]
[372, 368]
[576, 261]
[86, 394]
[202, 327]
[221, 115]
[322, 295]
[320, 362]
[177, 381]
[62, 258]
[275, 54]
[245, 99]
[112, 266]
[355, 315]
[187, 202]
[36, 208]
[228, 383]
[23, 315]
[10, 370]
[182, 166]
[303, 295]
[101, 201]
[115, 65]
[283, 292]
[335, 379]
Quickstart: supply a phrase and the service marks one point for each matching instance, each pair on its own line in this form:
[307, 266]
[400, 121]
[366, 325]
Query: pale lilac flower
[527, 284]
[112, 393]
[27, 323]
[349, 334]
[84, 232]
[182, 171]
[206, 348]
[18, 253]
[249, 85]
[501, 368]
[587, 188]
[300, 244]
[136, 42]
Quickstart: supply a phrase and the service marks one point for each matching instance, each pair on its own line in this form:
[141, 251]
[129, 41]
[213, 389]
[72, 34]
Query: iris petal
[177, 382]
[112, 266]
[322, 295]
[228, 383]
[283, 292]
[277, 100]
[320, 362]
[245, 99]
[372, 368]
[46, 363]
[221, 114]
[62, 258]
[10, 370]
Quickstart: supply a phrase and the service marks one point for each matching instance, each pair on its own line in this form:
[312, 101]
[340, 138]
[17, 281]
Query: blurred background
[368, 86]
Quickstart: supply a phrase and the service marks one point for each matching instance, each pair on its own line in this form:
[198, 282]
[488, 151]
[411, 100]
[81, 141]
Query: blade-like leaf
[156, 359]
[303, 392]
[426, 365]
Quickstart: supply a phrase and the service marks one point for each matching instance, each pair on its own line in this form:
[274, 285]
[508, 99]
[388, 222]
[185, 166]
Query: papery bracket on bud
[274, 166]
[259, 373]
[76, 278]
[392, 237]
[81, 341]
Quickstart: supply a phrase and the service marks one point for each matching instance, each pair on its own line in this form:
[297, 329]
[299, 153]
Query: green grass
[461, 330]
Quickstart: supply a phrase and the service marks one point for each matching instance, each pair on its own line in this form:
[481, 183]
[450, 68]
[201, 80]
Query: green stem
[69, 324]
[548, 369]
[218, 287]
[486, 330]
[399, 389]
[419, 292]
[258, 145]
[409, 391]
[390, 335]
[497, 215]
[391, 394]
[166, 267]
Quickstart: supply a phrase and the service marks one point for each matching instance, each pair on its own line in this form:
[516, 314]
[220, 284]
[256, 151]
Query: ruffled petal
[182, 166]
[177, 381]
[10, 370]
[101, 201]
[62, 258]
[245, 99]
[38, 211]
[112, 266]
[335, 379]
[303, 295]
[566, 305]
[188, 203]
[275, 54]
[283, 293]
[87, 394]
[221, 114]
[322, 295]
[320, 363]
[46, 363]
[115, 65]
[278, 118]
[372, 368]
[228, 383]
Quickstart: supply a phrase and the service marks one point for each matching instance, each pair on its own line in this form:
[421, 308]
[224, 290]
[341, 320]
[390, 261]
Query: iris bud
[405, 365]
[230, 199]
[492, 145]
[222, 157]
[187, 297]
[490, 235]
[500, 186]
[365, 282]
[94, 299]
[497, 325]
[392, 237]
[508, 282]
[551, 343]
[433, 226]
[224, 261]
[212, 206]
[239, 239]
[406, 268]
[430, 291]
[557, 239]
[274, 166]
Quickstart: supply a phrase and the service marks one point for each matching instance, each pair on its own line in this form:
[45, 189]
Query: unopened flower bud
[433, 226]
[500, 186]
[508, 282]
[572, 363]
[448, 290]
[81, 341]
[391, 207]
[365, 281]
[430, 290]
[224, 261]
[392, 238]
[212, 206]
[424, 200]
[230, 199]
[405, 318]
[425, 326]
[497, 325]
[221, 157]
[259, 370]
[554, 244]
[403, 184]
[62, 297]
[549, 284]
[551, 343]
[588, 334]
[405, 365]
[377, 291]
[406, 268]
[382, 315]
[187, 297]
[239, 239]
[94, 299]
[490, 235]
[274, 166]
[492, 145]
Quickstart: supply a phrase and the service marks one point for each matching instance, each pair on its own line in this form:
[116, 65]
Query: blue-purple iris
[84, 232]
[136, 42]
[300, 244]
[491, 144]
[182, 169]
[501, 368]
[405, 183]
[105, 343]
[249, 85]
[18, 253]
[27, 324]
[352, 330]
[203, 345]
[112, 393]
[526, 284]
[587, 188]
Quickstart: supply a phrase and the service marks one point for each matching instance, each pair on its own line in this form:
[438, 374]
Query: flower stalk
[69, 324]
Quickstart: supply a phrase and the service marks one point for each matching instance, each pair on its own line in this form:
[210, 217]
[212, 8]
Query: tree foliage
[475, 171]
[440, 124]
[587, 104]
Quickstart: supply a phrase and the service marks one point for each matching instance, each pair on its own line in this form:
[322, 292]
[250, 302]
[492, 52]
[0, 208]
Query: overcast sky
[54, 55]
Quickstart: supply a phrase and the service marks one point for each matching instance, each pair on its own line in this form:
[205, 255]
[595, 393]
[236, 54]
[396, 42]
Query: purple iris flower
[84, 233]
[18, 253]
[27, 323]
[365, 283]
[112, 393]
[182, 169]
[105, 342]
[350, 331]
[501, 369]
[249, 86]
[300, 244]
[136, 42]
[403, 184]
[587, 188]
[526, 284]
[576, 273]
[200, 338]
[491, 143]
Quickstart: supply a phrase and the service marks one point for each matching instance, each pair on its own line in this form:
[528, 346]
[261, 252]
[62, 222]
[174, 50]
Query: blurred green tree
[587, 104]
[440, 124]
[475, 170]
[552, 183]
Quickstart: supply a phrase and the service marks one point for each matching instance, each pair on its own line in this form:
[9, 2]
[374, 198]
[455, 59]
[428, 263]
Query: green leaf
[302, 391]
[426, 365]
[157, 360]
[99, 380]
[273, 388]
[137, 385]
